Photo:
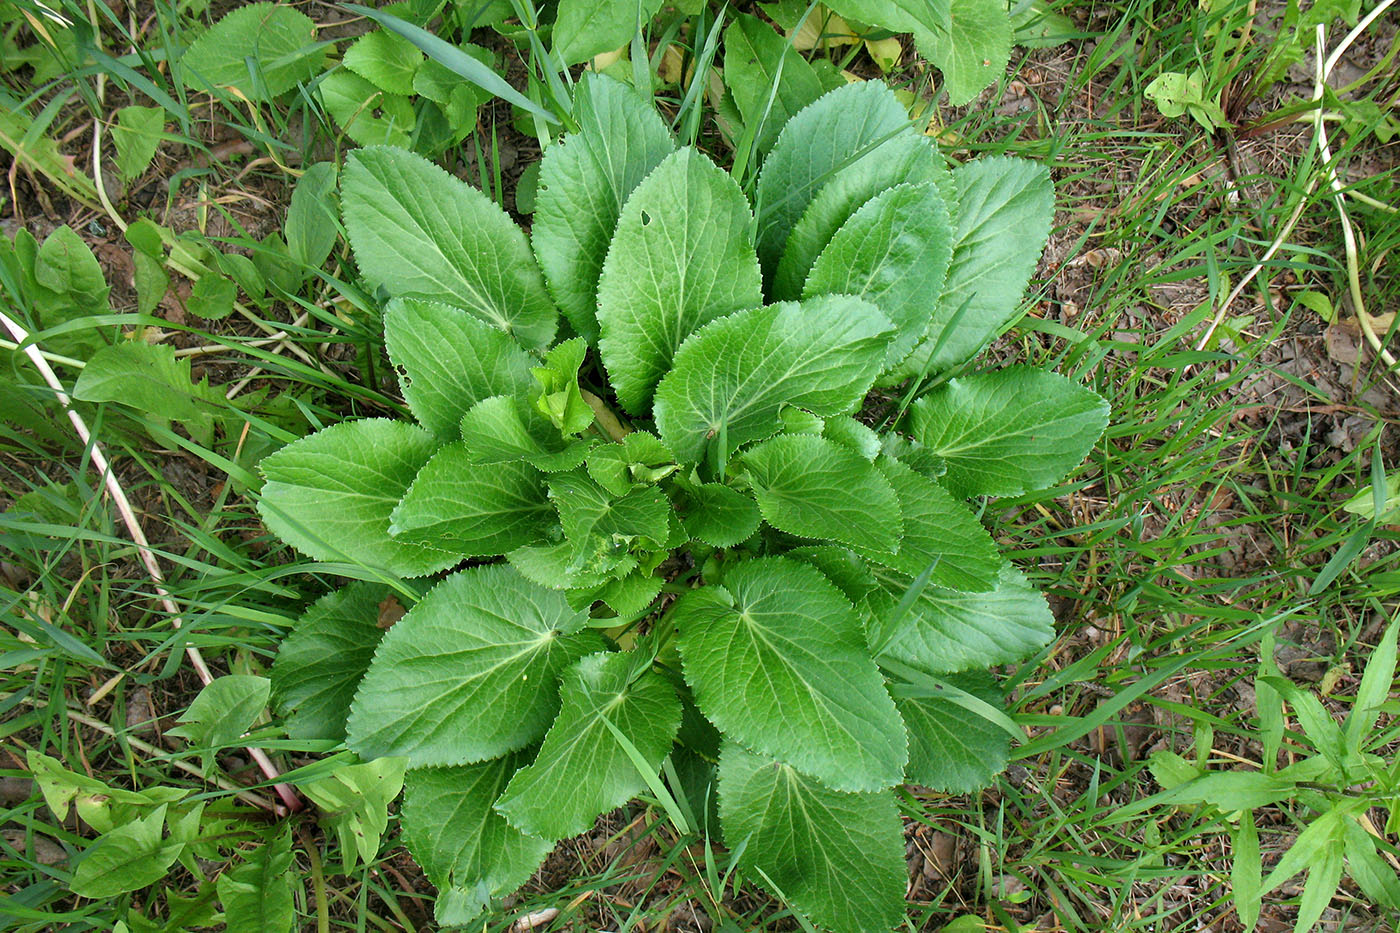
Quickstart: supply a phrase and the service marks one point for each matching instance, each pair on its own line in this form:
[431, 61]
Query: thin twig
[133, 527]
[1325, 69]
[1358, 303]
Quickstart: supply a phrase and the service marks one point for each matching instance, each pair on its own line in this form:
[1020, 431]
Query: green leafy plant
[1334, 778]
[695, 560]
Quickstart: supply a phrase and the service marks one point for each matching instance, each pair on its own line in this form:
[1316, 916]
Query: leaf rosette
[644, 453]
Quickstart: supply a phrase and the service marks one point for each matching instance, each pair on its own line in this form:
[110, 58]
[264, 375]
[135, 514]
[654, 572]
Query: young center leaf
[813, 487]
[737, 373]
[419, 232]
[449, 360]
[777, 660]
[1010, 431]
[330, 494]
[505, 428]
[838, 857]
[463, 845]
[468, 673]
[681, 257]
[584, 181]
[584, 768]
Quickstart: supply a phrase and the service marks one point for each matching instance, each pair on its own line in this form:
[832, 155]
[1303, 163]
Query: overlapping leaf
[507, 428]
[778, 661]
[464, 846]
[1006, 432]
[1004, 209]
[330, 494]
[584, 768]
[838, 857]
[951, 748]
[906, 158]
[419, 232]
[456, 505]
[719, 515]
[939, 533]
[816, 488]
[893, 252]
[584, 181]
[681, 256]
[321, 662]
[756, 61]
[733, 376]
[945, 630]
[470, 672]
[843, 125]
[599, 527]
[449, 360]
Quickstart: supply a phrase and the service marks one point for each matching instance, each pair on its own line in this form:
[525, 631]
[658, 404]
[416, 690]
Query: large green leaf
[1005, 206]
[584, 181]
[449, 360]
[971, 49]
[951, 748]
[420, 232]
[1009, 431]
[682, 256]
[939, 532]
[385, 59]
[321, 662]
[262, 49]
[585, 28]
[816, 488]
[894, 253]
[733, 376]
[330, 494]
[944, 630]
[584, 768]
[464, 846]
[837, 857]
[908, 157]
[469, 673]
[368, 115]
[778, 661]
[457, 505]
[818, 141]
[756, 60]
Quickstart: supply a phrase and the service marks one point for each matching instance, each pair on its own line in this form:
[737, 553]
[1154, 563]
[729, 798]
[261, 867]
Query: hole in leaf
[646, 218]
